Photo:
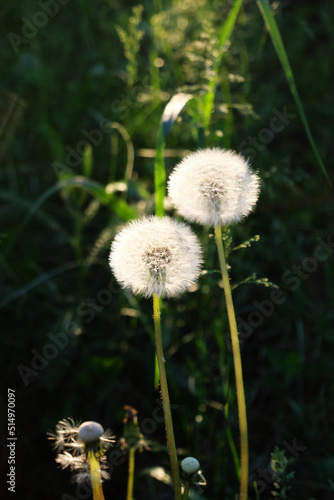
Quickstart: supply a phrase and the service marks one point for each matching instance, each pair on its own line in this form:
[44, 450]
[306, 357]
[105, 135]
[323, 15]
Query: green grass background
[56, 232]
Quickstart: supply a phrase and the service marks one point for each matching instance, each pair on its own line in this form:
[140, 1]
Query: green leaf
[282, 55]
[172, 111]
[103, 194]
[93, 187]
[170, 114]
[227, 27]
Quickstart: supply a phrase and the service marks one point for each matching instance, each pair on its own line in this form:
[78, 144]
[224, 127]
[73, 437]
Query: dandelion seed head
[213, 187]
[156, 255]
[75, 442]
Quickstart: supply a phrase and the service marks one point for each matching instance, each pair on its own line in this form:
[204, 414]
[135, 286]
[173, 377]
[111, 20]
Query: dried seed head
[213, 187]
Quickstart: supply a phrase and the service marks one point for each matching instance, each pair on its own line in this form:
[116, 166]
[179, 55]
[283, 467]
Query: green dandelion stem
[96, 477]
[165, 400]
[131, 473]
[237, 367]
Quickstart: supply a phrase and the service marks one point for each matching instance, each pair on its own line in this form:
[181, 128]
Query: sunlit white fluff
[156, 255]
[213, 187]
[74, 442]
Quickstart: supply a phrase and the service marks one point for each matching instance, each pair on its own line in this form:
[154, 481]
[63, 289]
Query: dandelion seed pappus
[199, 481]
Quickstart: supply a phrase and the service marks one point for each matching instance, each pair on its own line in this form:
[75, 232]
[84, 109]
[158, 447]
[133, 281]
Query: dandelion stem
[165, 400]
[129, 494]
[96, 477]
[237, 367]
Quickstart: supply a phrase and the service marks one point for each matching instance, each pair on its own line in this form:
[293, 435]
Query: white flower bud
[90, 431]
[190, 465]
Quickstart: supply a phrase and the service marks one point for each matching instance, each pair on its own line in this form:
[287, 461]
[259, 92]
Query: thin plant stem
[165, 400]
[186, 491]
[96, 477]
[131, 473]
[237, 367]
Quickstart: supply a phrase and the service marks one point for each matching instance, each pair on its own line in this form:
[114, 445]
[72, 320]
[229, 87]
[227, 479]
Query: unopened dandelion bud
[190, 465]
[213, 187]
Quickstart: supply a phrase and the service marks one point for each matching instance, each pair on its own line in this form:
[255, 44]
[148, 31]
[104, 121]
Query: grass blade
[227, 27]
[159, 174]
[282, 55]
[223, 36]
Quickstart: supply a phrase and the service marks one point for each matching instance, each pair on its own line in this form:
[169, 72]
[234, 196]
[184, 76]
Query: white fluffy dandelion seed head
[213, 187]
[190, 465]
[76, 442]
[90, 431]
[156, 255]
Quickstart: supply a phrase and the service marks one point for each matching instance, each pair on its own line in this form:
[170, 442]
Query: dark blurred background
[73, 343]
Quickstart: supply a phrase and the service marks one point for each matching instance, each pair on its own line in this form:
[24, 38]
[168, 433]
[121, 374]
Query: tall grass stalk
[270, 22]
[237, 367]
[165, 400]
